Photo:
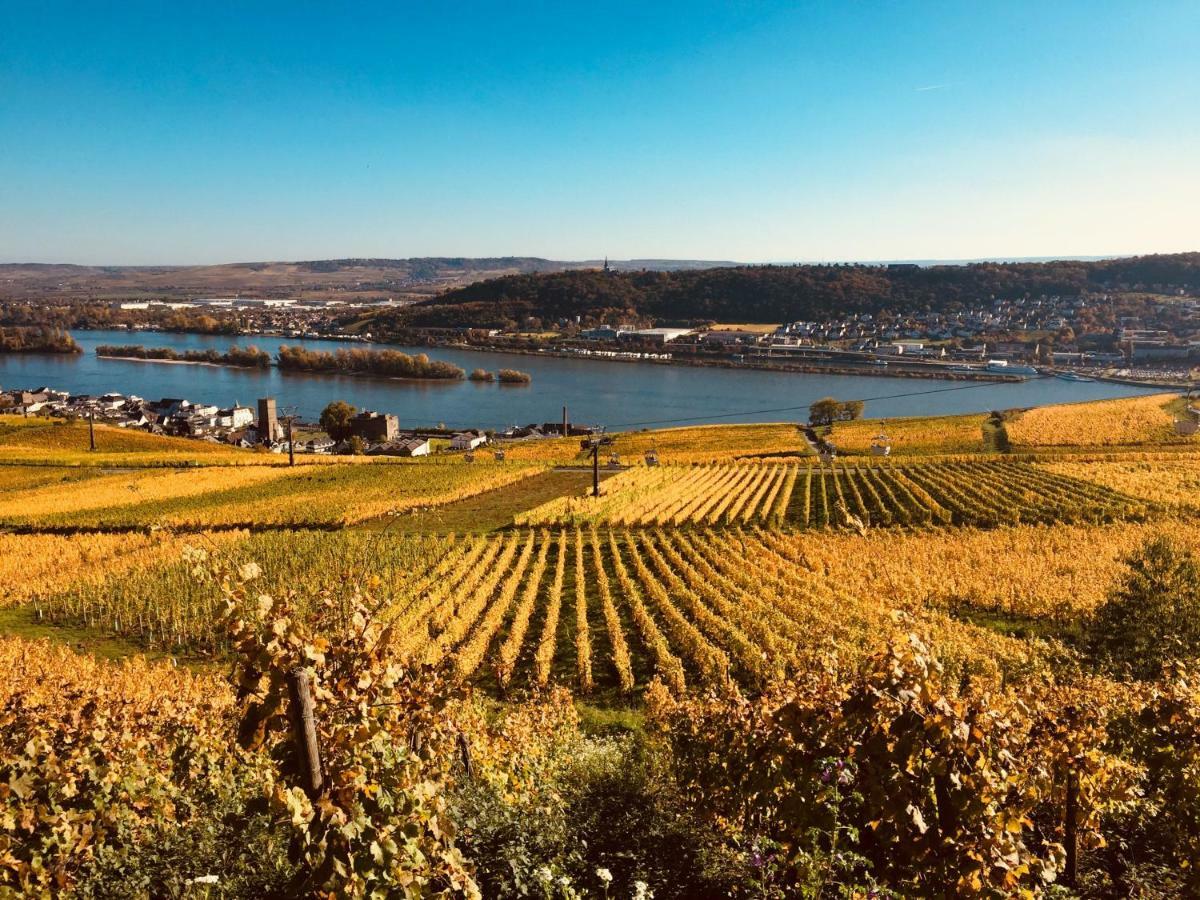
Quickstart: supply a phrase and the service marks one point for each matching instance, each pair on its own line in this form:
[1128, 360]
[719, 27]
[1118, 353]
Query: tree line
[367, 362]
[784, 293]
[43, 339]
[249, 357]
[300, 359]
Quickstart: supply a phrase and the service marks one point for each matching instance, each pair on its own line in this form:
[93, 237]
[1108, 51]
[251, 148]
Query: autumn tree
[824, 411]
[336, 419]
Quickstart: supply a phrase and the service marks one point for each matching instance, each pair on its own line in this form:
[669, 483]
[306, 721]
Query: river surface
[619, 395]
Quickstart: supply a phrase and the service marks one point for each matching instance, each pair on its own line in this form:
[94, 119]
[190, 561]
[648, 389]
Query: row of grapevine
[718, 610]
[967, 492]
[674, 495]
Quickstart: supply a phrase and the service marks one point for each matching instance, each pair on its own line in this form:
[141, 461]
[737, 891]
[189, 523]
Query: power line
[782, 409]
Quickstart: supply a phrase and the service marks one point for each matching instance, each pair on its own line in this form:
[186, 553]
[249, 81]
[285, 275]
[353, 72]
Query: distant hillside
[362, 279]
[786, 293]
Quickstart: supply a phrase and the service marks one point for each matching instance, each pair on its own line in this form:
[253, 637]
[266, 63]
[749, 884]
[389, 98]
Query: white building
[235, 417]
[415, 447]
[467, 440]
[656, 335]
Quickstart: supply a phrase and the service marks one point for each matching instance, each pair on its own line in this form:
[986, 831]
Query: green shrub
[1154, 615]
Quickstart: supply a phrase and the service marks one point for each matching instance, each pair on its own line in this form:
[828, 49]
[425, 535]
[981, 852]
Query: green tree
[336, 419]
[1154, 614]
[824, 411]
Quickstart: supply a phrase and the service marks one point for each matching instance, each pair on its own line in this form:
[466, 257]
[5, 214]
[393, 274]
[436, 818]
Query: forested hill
[789, 293]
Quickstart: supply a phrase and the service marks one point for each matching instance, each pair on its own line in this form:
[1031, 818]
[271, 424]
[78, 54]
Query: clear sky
[178, 132]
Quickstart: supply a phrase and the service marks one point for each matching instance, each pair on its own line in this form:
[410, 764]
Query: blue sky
[184, 132]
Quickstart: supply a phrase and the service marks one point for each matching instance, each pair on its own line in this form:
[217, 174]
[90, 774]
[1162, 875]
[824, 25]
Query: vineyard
[673, 495]
[694, 445]
[244, 496]
[489, 640]
[912, 436]
[1139, 421]
[599, 609]
[37, 441]
[1169, 482]
[847, 494]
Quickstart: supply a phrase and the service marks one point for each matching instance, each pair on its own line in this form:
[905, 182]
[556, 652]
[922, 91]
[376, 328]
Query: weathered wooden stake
[304, 729]
[1071, 876]
[92, 430]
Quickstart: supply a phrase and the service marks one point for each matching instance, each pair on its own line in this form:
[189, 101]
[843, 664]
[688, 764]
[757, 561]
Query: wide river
[619, 395]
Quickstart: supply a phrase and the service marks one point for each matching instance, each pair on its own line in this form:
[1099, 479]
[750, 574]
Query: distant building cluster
[376, 434]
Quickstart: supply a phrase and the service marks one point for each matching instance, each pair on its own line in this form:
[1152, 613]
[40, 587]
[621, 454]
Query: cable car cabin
[652, 458]
[614, 459]
[469, 456]
[827, 455]
[881, 446]
[1187, 426]
[499, 456]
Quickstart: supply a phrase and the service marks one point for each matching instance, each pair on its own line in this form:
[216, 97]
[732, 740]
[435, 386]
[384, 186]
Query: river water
[619, 395]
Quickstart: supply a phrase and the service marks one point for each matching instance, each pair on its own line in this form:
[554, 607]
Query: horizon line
[713, 262]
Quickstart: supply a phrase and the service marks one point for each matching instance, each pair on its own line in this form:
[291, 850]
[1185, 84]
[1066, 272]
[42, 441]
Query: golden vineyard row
[970, 492]
[593, 608]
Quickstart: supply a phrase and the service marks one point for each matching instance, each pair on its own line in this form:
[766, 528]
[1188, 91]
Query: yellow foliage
[1104, 423]
[1030, 570]
[695, 444]
[1171, 482]
[41, 441]
[253, 495]
[914, 436]
[37, 565]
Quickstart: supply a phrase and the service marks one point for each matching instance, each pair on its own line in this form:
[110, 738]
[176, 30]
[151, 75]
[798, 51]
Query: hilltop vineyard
[853, 494]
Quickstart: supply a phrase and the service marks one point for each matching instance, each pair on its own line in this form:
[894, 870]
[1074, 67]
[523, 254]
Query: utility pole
[597, 443]
[92, 430]
[289, 417]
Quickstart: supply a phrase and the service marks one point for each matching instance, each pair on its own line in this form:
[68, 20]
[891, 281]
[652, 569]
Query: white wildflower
[249, 571]
[604, 875]
[641, 891]
[204, 879]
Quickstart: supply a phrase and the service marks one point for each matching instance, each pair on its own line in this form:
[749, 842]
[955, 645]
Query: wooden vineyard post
[92, 431]
[1071, 877]
[304, 729]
